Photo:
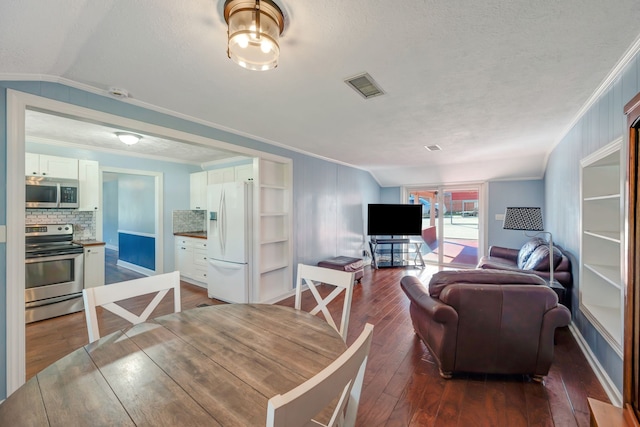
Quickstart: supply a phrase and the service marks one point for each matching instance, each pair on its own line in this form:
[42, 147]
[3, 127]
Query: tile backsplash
[189, 221]
[84, 223]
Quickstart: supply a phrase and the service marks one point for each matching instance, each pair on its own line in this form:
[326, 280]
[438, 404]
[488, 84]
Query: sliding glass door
[450, 223]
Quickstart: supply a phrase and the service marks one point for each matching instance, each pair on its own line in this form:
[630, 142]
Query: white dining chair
[343, 281]
[341, 380]
[106, 296]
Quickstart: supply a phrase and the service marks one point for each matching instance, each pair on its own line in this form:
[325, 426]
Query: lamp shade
[254, 31]
[522, 218]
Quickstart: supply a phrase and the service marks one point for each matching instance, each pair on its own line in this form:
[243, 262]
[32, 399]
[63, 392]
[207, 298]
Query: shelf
[603, 197]
[607, 321]
[609, 273]
[273, 268]
[601, 242]
[605, 235]
[271, 241]
[265, 214]
[273, 186]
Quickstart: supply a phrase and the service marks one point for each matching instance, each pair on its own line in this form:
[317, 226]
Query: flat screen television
[394, 220]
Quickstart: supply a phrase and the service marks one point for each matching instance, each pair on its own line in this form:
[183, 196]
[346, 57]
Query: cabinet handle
[44, 173]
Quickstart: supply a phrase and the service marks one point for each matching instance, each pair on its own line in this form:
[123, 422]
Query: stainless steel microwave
[51, 193]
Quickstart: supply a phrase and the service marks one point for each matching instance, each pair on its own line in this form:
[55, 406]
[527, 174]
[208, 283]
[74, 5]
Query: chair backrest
[106, 296]
[341, 379]
[342, 280]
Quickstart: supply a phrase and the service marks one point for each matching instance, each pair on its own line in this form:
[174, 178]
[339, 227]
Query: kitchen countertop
[196, 234]
[89, 242]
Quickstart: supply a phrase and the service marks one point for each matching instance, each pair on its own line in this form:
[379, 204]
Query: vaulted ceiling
[495, 84]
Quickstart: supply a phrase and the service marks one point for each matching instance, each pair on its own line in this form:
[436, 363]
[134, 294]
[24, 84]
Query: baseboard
[111, 247]
[193, 282]
[136, 268]
[609, 387]
[284, 296]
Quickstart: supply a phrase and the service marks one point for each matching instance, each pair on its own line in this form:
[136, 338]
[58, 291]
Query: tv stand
[392, 257]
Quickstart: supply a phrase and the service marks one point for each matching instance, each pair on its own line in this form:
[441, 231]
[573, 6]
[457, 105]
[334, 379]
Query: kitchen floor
[52, 339]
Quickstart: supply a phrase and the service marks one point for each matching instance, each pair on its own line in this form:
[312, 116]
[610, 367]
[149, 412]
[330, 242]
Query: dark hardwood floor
[402, 386]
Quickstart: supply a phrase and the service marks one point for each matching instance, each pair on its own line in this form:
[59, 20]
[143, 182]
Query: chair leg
[537, 378]
[445, 375]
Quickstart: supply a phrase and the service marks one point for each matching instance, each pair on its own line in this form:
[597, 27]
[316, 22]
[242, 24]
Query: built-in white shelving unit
[602, 242]
[274, 198]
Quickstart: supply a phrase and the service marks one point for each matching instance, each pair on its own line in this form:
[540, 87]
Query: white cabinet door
[244, 173]
[53, 166]
[32, 164]
[58, 167]
[89, 185]
[198, 190]
[93, 266]
[184, 256]
[220, 176]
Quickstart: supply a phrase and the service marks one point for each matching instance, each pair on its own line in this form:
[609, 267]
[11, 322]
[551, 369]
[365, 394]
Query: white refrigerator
[229, 241]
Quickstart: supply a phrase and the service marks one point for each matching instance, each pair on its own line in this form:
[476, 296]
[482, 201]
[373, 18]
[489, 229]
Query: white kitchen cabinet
[191, 260]
[94, 265]
[198, 190]
[602, 242]
[243, 173]
[220, 176]
[89, 185]
[51, 166]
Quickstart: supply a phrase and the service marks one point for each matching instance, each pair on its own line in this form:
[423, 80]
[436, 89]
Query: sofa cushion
[443, 279]
[527, 249]
[539, 259]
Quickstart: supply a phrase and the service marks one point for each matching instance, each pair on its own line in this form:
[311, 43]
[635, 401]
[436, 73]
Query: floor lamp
[529, 219]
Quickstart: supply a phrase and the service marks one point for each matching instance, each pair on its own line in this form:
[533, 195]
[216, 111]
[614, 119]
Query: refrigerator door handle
[222, 230]
[227, 265]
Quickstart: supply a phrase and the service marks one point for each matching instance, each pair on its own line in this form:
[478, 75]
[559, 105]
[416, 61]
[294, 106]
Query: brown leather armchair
[486, 321]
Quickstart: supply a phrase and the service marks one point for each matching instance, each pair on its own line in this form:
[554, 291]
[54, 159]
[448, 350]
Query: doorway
[17, 105]
[451, 223]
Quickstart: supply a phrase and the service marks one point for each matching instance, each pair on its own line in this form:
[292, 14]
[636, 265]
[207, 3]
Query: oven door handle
[54, 300]
[52, 258]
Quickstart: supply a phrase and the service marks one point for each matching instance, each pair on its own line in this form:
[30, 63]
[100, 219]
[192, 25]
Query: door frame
[17, 103]
[441, 188]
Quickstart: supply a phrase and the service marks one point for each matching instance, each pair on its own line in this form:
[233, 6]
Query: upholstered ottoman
[344, 263]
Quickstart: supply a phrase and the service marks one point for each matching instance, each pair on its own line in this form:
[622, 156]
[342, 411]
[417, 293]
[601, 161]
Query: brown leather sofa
[532, 257]
[486, 321]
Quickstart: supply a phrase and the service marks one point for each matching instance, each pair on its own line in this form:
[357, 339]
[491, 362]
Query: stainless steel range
[54, 272]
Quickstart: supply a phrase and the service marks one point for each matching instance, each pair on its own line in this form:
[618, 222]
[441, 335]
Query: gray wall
[333, 223]
[601, 124]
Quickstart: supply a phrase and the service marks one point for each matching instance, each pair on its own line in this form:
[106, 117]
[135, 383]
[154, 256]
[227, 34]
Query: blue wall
[110, 213]
[601, 124]
[136, 203]
[336, 220]
[511, 193]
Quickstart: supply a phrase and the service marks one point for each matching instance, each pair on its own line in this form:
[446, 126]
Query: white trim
[138, 233]
[158, 234]
[16, 330]
[613, 75]
[3, 233]
[609, 387]
[136, 268]
[110, 246]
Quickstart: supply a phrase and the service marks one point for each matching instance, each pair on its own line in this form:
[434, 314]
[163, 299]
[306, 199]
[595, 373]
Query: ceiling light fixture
[128, 138]
[254, 27]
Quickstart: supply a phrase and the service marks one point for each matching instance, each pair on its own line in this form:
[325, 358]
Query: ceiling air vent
[433, 147]
[364, 85]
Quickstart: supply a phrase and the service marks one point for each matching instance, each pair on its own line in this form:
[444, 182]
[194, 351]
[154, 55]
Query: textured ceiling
[494, 83]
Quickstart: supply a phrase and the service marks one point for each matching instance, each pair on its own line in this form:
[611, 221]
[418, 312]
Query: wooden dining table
[209, 366]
